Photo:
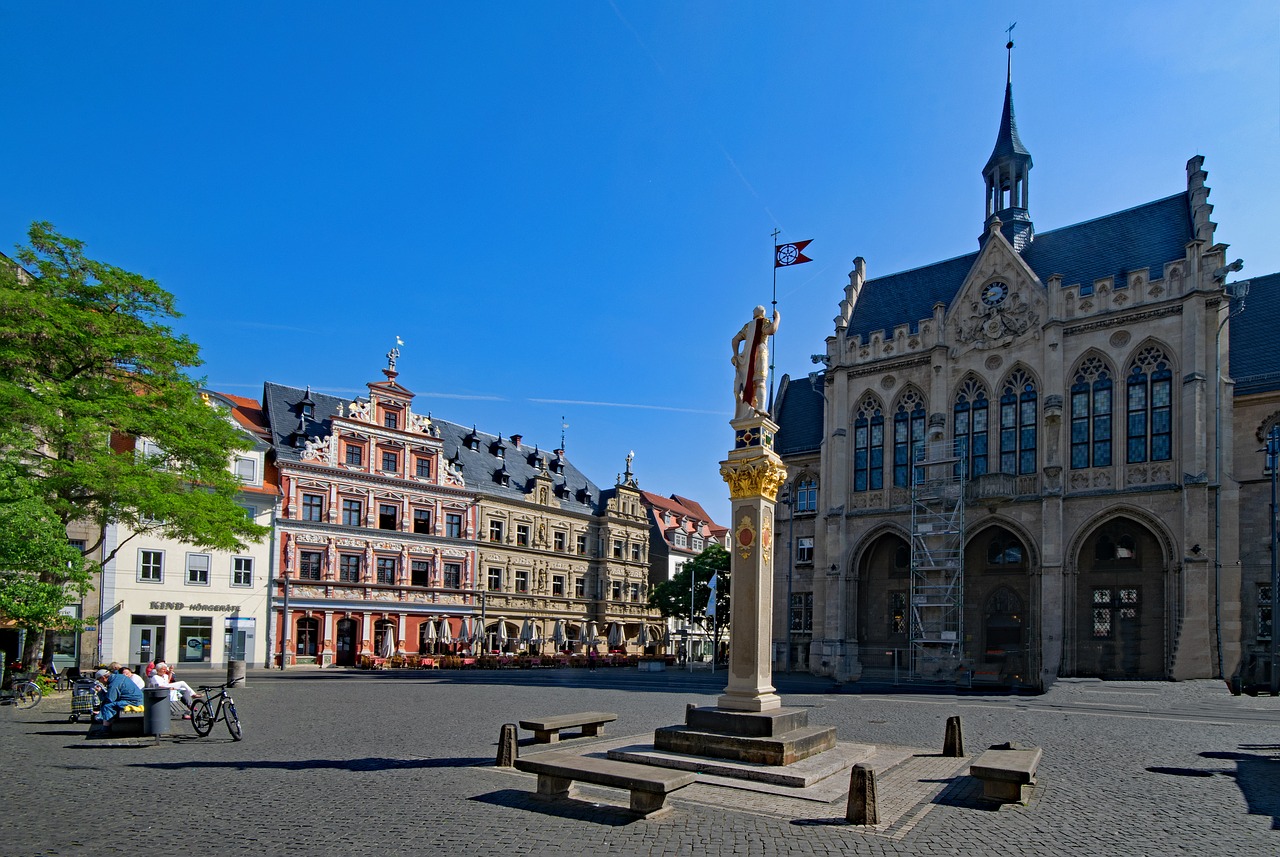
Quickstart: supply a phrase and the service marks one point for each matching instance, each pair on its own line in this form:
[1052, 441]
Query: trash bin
[155, 711]
[235, 673]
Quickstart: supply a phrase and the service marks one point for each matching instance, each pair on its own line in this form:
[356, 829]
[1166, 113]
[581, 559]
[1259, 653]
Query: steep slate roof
[798, 413]
[1254, 358]
[1008, 144]
[479, 466]
[1146, 236]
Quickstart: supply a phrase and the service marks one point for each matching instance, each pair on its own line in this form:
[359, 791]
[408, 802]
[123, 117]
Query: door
[146, 639]
[345, 643]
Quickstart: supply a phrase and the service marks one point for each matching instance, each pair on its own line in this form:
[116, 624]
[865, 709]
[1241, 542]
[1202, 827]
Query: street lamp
[1273, 463]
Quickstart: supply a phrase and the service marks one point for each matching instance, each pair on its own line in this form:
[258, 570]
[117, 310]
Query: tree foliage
[671, 597]
[89, 366]
[33, 541]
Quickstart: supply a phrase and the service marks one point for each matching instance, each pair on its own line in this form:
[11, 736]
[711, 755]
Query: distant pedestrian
[591, 659]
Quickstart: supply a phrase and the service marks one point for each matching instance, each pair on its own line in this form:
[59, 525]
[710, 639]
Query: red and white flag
[790, 254]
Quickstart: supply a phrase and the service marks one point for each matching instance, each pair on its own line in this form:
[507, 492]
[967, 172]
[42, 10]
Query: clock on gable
[994, 293]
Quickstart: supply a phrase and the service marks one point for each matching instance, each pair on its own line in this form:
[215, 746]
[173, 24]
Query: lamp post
[1273, 463]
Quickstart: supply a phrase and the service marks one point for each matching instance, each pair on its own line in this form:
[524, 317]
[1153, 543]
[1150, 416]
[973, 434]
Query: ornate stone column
[754, 473]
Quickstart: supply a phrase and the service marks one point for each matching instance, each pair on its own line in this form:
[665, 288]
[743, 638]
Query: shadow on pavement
[1258, 776]
[376, 763]
[603, 814]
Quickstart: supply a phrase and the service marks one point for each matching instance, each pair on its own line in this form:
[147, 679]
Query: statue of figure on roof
[752, 364]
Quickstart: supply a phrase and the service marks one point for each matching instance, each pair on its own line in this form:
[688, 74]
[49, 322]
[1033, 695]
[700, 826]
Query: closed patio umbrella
[589, 634]
[615, 636]
[526, 633]
[446, 633]
[642, 639]
[558, 635]
[429, 635]
[502, 633]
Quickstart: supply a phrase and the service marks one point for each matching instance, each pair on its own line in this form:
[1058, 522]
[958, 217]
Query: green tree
[89, 367]
[672, 597]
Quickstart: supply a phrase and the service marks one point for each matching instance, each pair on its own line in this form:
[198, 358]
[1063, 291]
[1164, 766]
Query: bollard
[862, 807]
[235, 673]
[953, 747]
[507, 746]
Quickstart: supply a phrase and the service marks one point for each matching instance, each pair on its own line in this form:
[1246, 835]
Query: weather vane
[1009, 31]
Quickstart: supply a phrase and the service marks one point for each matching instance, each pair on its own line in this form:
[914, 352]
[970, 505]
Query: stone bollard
[862, 807]
[235, 673]
[507, 746]
[953, 747]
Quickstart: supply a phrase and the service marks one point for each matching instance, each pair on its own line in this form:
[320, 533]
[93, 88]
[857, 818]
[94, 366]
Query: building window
[355, 455]
[635, 592]
[242, 571]
[908, 436]
[307, 639]
[194, 636]
[422, 521]
[386, 569]
[391, 419]
[387, 514]
[352, 513]
[495, 579]
[1004, 550]
[1150, 403]
[198, 569]
[557, 585]
[390, 462]
[804, 549]
[616, 590]
[522, 580]
[349, 567]
[806, 497]
[802, 613]
[246, 469]
[582, 544]
[635, 551]
[453, 525]
[309, 563]
[1264, 613]
[1018, 425]
[495, 530]
[151, 566]
[868, 446]
[1091, 415]
[681, 540]
[419, 573]
[579, 587]
[617, 548]
[312, 507]
[453, 575]
[522, 535]
[969, 417]
[897, 612]
[558, 540]
[697, 543]
[423, 467]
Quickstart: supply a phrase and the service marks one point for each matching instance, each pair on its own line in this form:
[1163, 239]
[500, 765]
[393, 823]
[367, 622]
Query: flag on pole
[790, 254]
[711, 602]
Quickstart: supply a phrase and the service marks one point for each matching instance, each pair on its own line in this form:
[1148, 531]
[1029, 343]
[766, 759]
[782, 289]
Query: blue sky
[565, 208]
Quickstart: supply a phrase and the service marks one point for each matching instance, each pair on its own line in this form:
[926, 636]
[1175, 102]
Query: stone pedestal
[780, 736]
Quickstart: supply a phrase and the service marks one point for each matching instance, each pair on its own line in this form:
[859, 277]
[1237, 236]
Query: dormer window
[472, 441]
[306, 407]
[498, 448]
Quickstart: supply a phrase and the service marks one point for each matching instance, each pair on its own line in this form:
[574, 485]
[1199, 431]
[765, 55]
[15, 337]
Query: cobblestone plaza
[348, 762]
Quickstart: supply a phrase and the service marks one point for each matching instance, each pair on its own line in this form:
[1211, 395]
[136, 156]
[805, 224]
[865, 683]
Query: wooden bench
[546, 730]
[1007, 772]
[649, 785]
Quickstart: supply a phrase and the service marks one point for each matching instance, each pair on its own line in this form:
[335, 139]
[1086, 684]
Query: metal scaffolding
[937, 561]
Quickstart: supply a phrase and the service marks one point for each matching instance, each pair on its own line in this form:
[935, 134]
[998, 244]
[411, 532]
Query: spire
[1007, 172]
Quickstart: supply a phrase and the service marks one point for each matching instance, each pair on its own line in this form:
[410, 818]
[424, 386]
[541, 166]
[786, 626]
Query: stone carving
[361, 411]
[452, 474]
[752, 364]
[323, 449]
[422, 423]
[995, 327]
[761, 477]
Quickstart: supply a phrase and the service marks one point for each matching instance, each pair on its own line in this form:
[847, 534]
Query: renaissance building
[1019, 463]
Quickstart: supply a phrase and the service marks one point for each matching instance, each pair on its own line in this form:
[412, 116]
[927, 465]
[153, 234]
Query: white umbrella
[558, 635]
[502, 632]
[615, 636]
[526, 633]
[429, 633]
[642, 639]
[446, 634]
[477, 632]
[388, 635]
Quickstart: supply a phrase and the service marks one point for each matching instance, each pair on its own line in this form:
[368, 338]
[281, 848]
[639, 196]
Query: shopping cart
[82, 699]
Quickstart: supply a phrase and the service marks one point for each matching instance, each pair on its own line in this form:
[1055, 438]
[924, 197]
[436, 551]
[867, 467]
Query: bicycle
[208, 709]
[23, 692]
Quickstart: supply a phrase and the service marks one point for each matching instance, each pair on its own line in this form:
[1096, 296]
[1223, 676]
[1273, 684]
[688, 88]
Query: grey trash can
[235, 673]
[155, 711]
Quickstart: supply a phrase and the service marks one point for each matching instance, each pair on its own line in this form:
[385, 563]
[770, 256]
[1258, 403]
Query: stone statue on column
[751, 379]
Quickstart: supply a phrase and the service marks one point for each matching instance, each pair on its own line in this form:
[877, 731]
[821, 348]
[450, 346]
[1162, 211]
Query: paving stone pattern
[340, 762]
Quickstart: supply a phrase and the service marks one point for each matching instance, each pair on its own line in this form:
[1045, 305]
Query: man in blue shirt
[118, 691]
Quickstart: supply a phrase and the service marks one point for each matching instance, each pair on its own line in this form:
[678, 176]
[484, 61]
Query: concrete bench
[546, 730]
[649, 785]
[1007, 771]
[125, 723]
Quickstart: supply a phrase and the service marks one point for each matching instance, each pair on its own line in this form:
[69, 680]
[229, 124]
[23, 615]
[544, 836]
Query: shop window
[195, 634]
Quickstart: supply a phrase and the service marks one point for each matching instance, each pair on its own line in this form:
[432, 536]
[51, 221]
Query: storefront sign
[196, 608]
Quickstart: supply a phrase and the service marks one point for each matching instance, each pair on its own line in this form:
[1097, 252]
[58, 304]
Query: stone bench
[649, 785]
[546, 730]
[123, 724]
[1007, 771]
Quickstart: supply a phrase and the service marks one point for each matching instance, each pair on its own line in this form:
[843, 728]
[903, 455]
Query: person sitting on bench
[163, 677]
[118, 691]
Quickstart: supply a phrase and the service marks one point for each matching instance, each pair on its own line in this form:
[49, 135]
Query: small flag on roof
[790, 254]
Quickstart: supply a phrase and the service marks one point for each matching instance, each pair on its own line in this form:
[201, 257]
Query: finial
[1009, 47]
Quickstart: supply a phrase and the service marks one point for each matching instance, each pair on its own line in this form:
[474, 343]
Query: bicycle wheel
[233, 722]
[201, 717]
[27, 694]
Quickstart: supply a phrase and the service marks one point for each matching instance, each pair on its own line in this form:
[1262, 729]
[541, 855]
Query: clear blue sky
[565, 208]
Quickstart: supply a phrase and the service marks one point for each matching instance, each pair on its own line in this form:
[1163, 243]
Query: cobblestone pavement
[341, 762]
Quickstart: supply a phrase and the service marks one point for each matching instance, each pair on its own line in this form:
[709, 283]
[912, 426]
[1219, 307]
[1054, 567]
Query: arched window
[1150, 401]
[908, 436]
[969, 417]
[868, 446]
[807, 495]
[1018, 425]
[1004, 550]
[1091, 405]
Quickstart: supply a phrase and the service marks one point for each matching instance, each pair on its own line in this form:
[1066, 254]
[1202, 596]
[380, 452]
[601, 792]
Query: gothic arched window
[1018, 425]
[908, 436]
[1091, 406]
[868, 446]
[969, 417]
[1150, 401]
